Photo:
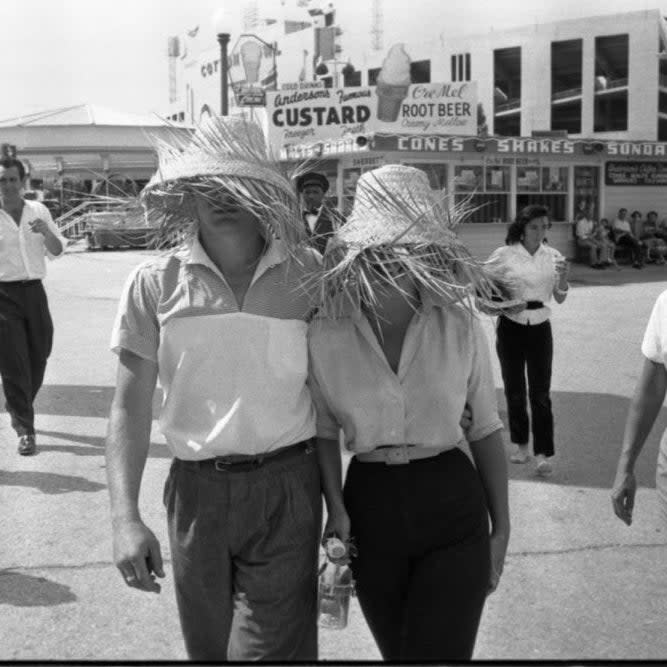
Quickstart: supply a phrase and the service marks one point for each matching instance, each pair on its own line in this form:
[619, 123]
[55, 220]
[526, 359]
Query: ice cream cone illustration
[393, 83]
[251, 57]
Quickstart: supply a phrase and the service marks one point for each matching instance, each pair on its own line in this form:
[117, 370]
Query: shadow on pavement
[94, 445]
[24, 590]
[49, 482]
[80, 400]
[589, 433]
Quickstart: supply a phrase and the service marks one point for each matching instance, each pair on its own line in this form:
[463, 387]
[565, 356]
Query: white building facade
[574, 112]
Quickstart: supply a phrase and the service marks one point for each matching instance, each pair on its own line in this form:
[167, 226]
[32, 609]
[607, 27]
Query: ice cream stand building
[572, 115]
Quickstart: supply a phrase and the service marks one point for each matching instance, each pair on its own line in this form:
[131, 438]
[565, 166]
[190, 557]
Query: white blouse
[534, 276]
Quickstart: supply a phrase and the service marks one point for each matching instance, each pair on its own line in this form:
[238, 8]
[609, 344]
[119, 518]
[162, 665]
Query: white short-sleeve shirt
[233, 379]
[654, 347]
[22, 251]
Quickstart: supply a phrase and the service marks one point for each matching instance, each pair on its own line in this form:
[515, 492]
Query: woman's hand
[338, 524]
[562, 267]
[498, 552]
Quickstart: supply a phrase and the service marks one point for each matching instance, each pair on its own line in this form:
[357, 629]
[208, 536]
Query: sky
[112, 53]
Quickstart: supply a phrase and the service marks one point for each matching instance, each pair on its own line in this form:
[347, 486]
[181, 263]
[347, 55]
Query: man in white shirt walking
[27, 235]
[222, 323]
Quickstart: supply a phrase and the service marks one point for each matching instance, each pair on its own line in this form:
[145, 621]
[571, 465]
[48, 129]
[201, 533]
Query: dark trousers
[635, 247]
[244, 548]
[26, 338]
[422, 569]
[525, 348]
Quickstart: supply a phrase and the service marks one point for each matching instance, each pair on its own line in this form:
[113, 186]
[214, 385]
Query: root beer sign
[393, 106]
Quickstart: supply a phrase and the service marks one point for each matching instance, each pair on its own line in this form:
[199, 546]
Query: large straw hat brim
[224, 155]
[399, 226]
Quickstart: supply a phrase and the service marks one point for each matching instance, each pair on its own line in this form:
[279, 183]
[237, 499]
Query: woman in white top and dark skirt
[524, 340]
[397, 352]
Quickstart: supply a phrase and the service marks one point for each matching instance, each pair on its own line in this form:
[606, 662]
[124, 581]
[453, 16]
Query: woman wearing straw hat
[396, 354]
[222, 322]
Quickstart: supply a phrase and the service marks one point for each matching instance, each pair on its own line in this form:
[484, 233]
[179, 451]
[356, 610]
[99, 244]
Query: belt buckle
[220, 465]
[396, 456]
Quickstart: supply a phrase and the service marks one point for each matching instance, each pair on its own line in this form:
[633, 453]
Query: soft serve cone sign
[393, 84]
[406, 107]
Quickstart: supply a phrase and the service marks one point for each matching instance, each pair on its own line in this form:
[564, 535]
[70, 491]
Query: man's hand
[39, 226]
[498, 552]
[623, 496]
[137, 555]
[466, 418]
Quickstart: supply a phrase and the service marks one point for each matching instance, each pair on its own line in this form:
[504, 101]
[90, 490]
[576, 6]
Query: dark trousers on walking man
[26, 338]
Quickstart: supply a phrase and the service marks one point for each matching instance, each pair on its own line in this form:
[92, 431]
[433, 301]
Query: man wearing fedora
[222, 323]
[319, 218]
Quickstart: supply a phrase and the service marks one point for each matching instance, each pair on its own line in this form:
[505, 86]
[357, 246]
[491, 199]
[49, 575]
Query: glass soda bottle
[335, 586]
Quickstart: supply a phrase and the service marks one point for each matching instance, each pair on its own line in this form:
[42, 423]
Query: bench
[622, 254]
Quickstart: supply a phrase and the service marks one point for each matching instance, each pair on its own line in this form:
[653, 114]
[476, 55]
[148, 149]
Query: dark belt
[534, 305]
[32, 281]
[243, 463]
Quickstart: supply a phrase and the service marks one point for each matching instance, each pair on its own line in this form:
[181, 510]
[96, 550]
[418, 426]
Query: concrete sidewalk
[578, 583]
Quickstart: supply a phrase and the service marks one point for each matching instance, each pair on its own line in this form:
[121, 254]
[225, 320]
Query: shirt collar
[521, 249]
[275, 254]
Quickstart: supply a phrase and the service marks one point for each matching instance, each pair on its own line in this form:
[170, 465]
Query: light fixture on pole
[223, 40]
[221, 22]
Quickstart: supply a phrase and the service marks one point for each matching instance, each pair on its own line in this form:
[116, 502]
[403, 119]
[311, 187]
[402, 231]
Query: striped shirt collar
[275, 254]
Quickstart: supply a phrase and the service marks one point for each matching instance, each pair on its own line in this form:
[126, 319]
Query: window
[483, 192]
[611, 83]
[352, 78]
[507, 91]
[662, 102]
[420, 71]
[586, 191]
[566, 81]
[611, 112]
[373, 76]
[566, 117]
[543, 186]
[461, 67]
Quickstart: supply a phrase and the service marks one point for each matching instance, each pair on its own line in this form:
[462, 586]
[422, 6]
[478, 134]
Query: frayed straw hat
[399, 226]
[224, 156]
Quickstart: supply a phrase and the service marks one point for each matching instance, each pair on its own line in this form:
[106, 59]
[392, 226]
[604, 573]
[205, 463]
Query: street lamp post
[223, 40]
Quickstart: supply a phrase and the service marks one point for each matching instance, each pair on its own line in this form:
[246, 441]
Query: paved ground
[578, 584]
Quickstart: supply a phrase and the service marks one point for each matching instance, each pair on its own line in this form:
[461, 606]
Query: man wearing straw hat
[320, 220]
[222, 324]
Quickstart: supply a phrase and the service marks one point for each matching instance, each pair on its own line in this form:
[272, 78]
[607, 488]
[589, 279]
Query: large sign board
[330, 114]
[635, 173]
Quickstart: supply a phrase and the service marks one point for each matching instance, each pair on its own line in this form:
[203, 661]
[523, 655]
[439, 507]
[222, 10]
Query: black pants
[26, 337]
[635, 247]
[525, 348]
[422, 569]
